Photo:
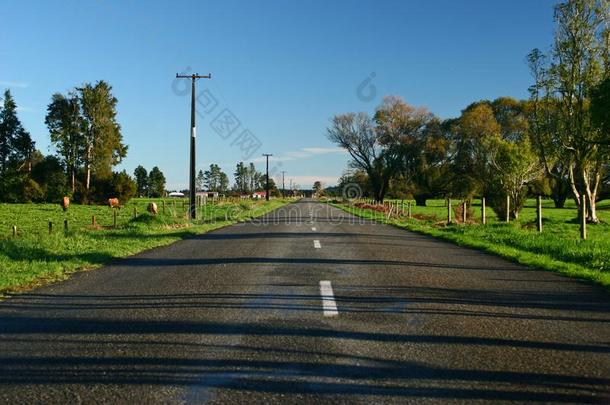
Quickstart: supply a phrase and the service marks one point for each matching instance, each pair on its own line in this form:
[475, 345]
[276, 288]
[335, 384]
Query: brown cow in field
[114, 203]
[152, 208]
[65, 203]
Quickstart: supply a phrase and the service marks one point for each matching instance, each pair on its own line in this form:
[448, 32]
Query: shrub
[119, 185]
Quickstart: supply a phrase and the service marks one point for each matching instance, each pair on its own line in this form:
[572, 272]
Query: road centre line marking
[329, 306]
[316, 244]
[313, 229]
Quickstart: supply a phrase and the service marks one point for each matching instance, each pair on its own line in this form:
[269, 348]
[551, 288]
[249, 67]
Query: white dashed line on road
[316, 244]
[314, 229]
[328, 299]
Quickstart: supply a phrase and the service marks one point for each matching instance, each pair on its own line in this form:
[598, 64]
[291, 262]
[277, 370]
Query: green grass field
[35, 256]
[558, 248]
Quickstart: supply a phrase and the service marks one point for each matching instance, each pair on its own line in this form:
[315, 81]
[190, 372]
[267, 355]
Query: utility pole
[192, 205]
[267, 182]
[283, 185]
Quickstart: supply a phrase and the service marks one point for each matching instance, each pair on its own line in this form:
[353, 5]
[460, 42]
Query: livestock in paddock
[65, 203]
[152, 208]
[114, 203]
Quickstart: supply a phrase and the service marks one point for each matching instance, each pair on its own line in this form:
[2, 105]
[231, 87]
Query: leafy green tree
[565, 81]
[317, 187]
[473, 133]
[156, 183]
[103, 141]
[65, 123]
[514, 166]
[494, 153]
[600, 110]
[141, 176]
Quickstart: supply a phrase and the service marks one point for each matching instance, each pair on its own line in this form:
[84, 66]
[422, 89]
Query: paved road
[240, 315]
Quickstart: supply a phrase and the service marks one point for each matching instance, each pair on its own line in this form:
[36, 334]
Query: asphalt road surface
[307, 304]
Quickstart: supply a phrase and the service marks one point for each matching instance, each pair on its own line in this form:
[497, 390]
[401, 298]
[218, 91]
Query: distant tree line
[557, 143]
[246, 180]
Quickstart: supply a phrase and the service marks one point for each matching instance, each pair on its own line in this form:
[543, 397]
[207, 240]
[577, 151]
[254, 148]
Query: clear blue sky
[282, 68]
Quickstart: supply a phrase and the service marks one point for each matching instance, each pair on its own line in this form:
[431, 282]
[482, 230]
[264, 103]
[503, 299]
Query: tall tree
[215, 179]
[578, 63]
[416, 136]
[65, 123]
[542, 112]
[254, 178]
[223, 182]
[156, 182]
[104, 146]
[141, 176]
[473, 134]
[200, 181]
[242, 178]
[16, 145]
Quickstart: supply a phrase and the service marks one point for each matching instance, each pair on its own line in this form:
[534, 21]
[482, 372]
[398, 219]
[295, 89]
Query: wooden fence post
[14, 231]
[448, 211]
[135, 211]
[93, 223]
[464, 217]
[65, 225]
[410, 212]
[50, 227]
[114, 217]
[163, 206]
[583, 218]
[507, 208]
[483, 218]
[539, 214]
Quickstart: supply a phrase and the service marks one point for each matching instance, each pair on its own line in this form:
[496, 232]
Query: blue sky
[282, 69]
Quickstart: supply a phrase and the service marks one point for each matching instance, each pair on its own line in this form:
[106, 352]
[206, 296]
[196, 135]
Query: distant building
[208, 194]
[176, 194]
[257, 195]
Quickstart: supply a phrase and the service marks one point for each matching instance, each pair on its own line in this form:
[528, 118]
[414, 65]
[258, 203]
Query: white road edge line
[329, 305]
[313, 228]
[316, 244]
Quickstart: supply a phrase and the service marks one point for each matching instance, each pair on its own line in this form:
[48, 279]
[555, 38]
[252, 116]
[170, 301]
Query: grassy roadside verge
[555, 251]
[38, 258]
